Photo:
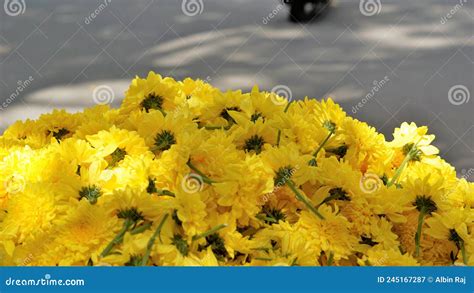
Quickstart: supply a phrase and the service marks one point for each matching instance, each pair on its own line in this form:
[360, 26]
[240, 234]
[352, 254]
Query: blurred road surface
[403, 61]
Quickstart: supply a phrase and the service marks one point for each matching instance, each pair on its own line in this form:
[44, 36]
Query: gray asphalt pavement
[409, 61]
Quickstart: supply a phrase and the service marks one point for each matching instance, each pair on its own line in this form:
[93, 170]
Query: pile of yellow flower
[184, 174]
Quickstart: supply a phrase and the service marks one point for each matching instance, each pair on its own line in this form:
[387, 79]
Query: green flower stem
[303, 199]
[151, 242]
[217, 127]
[326, 200]
[421, 218]
[279, 131]
[278, 138]
[407, 159]
[266, 218]
[159, 147]
[330, 259]
[315, 154]
[141, 228]
[205, 179]
[463, 252]
[209, 232]
[126, 226]
[264, 258]
[400, 170]
[164, 192]
[312, 162]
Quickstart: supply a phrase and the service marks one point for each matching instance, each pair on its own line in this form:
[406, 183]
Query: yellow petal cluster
[184, 174]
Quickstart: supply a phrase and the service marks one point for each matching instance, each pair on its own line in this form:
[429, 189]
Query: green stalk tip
[151, 242]
[303, 199]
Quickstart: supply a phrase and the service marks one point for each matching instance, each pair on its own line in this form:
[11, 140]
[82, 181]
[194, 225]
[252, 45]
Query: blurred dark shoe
[307, 10]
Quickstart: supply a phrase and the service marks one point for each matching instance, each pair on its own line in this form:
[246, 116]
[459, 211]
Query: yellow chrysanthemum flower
[83, 233]
[330, 235]
[25, 133]
[217, 115]
[191, 211]
[59, 125]
[184, 174]
[409, 136]
[253, 137]
[31, 213]
[243, 194]
[290, 247]
[387, 257]
[100, 117]
[262, 106]
[199, 95]
[151, 94]
[455, 226]
[367, 150]
[164, 132]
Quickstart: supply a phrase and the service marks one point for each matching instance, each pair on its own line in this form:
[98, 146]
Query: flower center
[134, 261]
[91, 193]
[367, 241]
[151, 188]
[336, 194]
[131, 214]
[60, 133]
[254, 143]
[225, 114]
[152, 101]
[329, 125]
[180, 244]
[272, 215]
[339, 194]
[454, 236]
[283, 175]
[117, 156]
[339, 151]
[415, 152]
[255, 116]
[217, 245]
[164, 140]
[175, 218]
[425, 203]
